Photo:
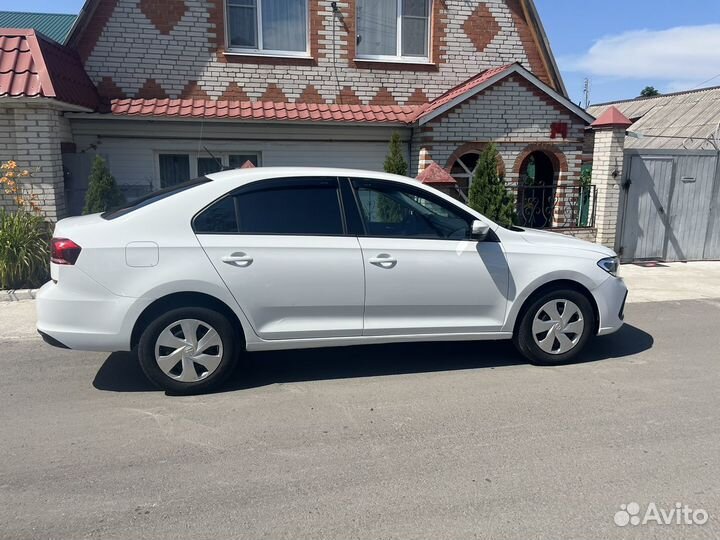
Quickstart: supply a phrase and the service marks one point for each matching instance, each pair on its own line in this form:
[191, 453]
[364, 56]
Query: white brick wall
[131, 50]
[31, 135]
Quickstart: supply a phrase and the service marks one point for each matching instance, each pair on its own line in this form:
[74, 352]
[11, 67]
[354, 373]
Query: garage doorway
[669, 207]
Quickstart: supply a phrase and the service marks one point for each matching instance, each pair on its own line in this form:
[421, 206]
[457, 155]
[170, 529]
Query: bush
[487, 192]
[103, 192]
[24, 249]
[395, 161]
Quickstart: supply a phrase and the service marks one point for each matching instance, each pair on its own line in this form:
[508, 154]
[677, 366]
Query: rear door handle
[238, 259]
[383, 260]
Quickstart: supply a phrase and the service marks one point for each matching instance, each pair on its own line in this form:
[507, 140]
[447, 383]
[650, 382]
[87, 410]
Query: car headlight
[610, 265]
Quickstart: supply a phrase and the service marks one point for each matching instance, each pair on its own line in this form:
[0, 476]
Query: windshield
[154, 196]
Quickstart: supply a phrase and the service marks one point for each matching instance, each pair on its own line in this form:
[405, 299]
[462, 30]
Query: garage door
[670, 208]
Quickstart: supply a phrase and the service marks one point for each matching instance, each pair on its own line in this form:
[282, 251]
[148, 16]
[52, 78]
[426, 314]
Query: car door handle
[383, 261]
[238, 259]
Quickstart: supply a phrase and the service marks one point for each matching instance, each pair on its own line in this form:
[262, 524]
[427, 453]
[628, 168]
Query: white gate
[669, 208]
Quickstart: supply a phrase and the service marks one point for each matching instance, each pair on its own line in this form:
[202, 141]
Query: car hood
[551, 239]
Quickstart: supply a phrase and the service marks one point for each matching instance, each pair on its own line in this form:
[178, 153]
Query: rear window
[155, 196]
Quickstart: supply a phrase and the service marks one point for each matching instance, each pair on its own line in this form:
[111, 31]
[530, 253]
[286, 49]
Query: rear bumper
[88, 318]
[610, 298]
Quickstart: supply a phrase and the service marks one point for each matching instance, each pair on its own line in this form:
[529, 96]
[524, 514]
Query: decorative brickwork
[418, 97]
[383, 97]
[513, 115]
[151, 90]
[109, 90]
[193, 91]
[94, 28]
[164, 14]
[310, 95]
[481, 27]
[528, 41]
[273, 93]
[118, 43]
[234, 92]
[347, 97]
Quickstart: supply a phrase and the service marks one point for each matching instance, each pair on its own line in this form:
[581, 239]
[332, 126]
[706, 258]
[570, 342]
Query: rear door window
[280, 207]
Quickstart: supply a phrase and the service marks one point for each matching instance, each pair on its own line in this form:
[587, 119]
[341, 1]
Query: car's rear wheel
[555, 327]
[188, 350]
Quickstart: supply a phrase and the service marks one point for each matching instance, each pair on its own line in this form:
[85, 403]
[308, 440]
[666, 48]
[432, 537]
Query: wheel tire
[525, 336]
[189, 361]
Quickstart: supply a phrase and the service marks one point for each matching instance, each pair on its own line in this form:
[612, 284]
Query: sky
[620, 45]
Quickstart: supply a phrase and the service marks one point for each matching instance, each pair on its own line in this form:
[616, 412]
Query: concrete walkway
[672, 281]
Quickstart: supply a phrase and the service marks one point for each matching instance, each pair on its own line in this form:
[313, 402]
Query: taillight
[64, 251]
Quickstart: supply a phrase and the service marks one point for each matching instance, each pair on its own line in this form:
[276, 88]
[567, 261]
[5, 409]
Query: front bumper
[610, 298]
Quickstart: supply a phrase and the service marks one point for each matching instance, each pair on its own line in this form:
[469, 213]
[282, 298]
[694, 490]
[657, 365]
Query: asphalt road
[406, 441]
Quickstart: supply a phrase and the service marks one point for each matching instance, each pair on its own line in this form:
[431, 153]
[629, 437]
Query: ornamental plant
[488, 194]
[395, 163]
[24, 233]
[103, 192]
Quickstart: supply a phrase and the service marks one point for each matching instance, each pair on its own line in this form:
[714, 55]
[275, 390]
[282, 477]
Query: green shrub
[395, 163]
[24, 249]
[488, 194]
[103, 193]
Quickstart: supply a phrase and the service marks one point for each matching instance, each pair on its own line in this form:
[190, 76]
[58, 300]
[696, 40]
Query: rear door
[424, 274]
[282, 248]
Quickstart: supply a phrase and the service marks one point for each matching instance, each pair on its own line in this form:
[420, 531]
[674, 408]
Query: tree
[103, 192]
[388, 210]
[395, 161]
[649, 91]
[487, 192]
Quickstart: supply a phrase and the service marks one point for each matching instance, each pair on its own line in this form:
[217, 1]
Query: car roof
[257, 173]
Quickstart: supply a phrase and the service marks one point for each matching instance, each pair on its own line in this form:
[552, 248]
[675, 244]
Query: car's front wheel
[188, 350]
[555, 327]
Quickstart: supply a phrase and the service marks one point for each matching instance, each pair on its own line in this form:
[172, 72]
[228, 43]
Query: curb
[15, 295]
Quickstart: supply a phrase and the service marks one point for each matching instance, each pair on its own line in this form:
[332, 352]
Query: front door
[424, 273]
[281, 248]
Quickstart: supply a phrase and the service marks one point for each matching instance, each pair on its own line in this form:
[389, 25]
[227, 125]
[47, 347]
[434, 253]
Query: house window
[177, 167]
[393, 29]
[268, 26]
[174, 169]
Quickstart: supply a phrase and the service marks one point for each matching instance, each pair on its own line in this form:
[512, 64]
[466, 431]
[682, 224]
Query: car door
[424, 274]
[281, 248]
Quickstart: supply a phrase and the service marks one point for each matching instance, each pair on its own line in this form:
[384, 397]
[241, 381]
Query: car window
[288, 206]
[220, 217]
[396, 210]
[153, 197]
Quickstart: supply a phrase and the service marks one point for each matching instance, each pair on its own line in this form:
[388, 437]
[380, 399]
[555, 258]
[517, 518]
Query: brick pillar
[424, 160]
[608, 154]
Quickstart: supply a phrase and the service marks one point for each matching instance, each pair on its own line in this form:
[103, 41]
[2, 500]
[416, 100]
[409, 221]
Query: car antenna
[222, 167]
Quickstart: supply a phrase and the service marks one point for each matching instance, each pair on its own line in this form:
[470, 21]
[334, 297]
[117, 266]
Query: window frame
[193, 156]
[387, 184]
[259, 50]
[399, 57]
[267, 184]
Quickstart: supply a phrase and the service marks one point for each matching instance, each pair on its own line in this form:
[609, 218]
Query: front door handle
[238, 259]
[383, 260]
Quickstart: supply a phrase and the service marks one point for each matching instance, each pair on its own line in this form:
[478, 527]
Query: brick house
[159, 87]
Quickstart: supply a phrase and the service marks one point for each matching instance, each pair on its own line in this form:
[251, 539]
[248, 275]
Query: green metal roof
[56, 26]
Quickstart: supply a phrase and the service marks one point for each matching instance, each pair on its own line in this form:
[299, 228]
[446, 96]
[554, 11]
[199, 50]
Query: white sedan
[194, 275]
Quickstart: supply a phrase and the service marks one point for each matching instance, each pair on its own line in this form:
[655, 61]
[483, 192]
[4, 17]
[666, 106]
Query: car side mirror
[480, 230]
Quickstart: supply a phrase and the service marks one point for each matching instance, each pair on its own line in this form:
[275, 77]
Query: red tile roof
[34, 66]
[262, 110]
[462, 88]
[434, 174]
[612, 117]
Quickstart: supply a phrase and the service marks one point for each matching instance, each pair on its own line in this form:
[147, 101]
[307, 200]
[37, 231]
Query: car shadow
[121, 372]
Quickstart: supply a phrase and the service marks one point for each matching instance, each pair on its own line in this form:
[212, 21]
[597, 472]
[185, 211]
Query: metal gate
[669, 207]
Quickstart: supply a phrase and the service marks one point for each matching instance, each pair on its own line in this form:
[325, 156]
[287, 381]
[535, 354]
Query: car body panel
[477, 296]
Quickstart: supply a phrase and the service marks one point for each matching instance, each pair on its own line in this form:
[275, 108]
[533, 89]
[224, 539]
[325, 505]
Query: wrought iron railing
[557, 206]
